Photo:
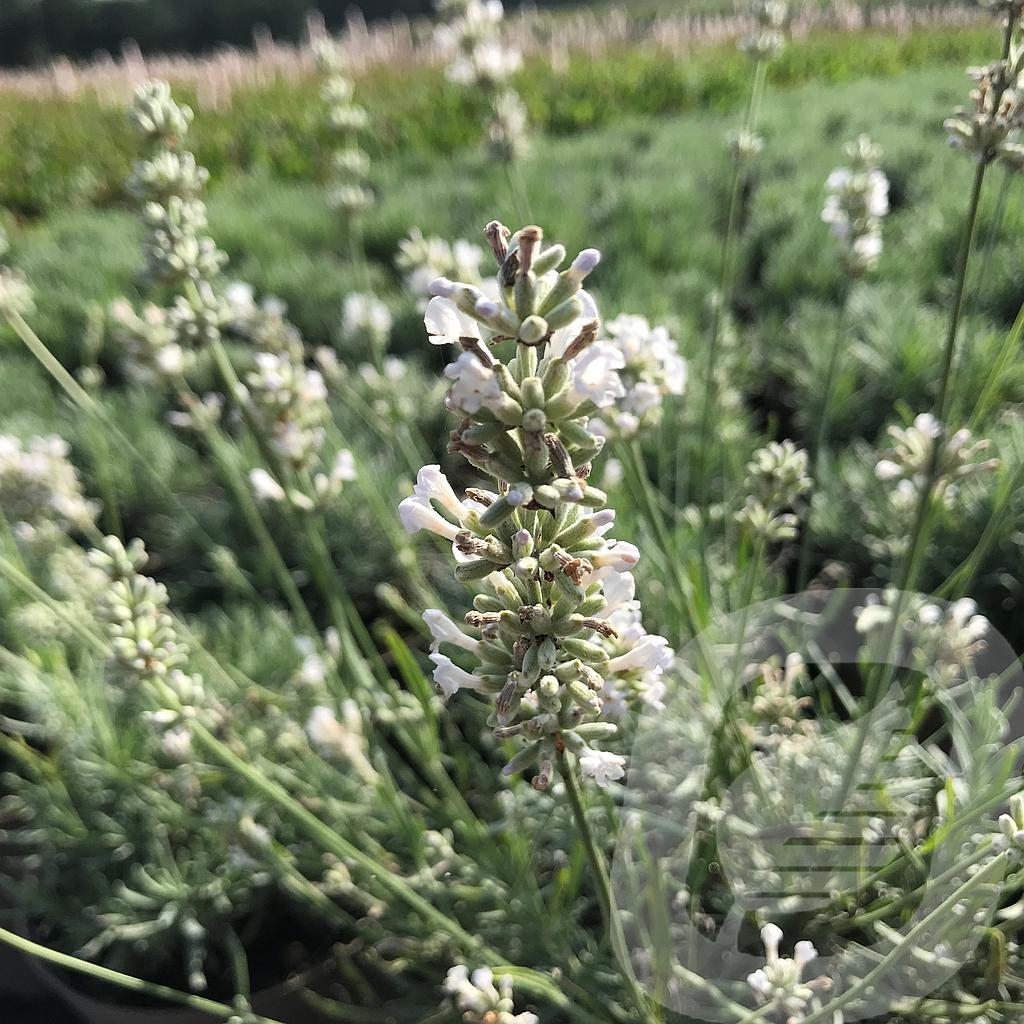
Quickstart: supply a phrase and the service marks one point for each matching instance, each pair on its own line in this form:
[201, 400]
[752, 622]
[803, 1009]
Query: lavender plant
[468, 35]
[238, 757]
[538, 540]
[344, 121]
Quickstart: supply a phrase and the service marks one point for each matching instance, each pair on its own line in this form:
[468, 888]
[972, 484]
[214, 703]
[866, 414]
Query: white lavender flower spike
[543, 640]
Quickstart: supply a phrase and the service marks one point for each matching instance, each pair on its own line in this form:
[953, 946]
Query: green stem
[722, 301]
[986, 400]
[959, 582]
[59, 608]
[126, 981]
[84, 401]
[605, 896]
[246, 504]
[339, 846]
[909, 942]
[926, 501]
[963, 261]
[52, 364]
[239, 964]
[821, 440]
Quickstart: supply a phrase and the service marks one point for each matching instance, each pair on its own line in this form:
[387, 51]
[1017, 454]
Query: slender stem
[84, 401]
[926, 500]
[332, 842]
[963, 261]
[909, 941]
[52, 364]
[605, 896]
[246, 504]
[59, 608]
[986, 400]
[722, 301]
[821, 439]
[239, 964]
[959, 582]
[126, 981]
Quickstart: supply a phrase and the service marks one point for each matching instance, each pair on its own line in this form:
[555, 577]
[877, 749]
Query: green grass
[647, 190]
[57, 152]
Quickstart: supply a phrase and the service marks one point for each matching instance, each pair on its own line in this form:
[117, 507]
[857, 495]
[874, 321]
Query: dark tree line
[34, 30]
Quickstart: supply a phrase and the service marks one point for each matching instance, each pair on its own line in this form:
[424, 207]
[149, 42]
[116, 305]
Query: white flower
[475, 385]
[564, 336]
[326, 733]
[417, 515]
[613, 475]
[1012, 824]
[595, 377]
[858, 199]
[480, 1000]
[432, 485]
[445, 631]
[312, 672]
[619, 555]
[602, 766]
[653, 652]
[779, 982]
[447, 324]
[619, 589]
[366, 314]
[344, 467]
[653, 369]
[177, 744]
[450, 678]
[341, 740]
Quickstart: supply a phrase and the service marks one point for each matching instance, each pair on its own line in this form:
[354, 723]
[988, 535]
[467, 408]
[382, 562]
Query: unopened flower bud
[533, 330]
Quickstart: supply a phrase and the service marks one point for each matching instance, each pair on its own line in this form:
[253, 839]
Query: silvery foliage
[858, 200]
[344, 120]
[776, 482]
[554, 636]
[768, 39]
[468, 35]
[40, 491]
[15, 293]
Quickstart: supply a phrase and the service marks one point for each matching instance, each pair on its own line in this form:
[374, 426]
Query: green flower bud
[533, 330]
[585, 650]
[564, 313]
[523, 759]
[550, 259]
[498, 512]
[535, 422]
[476, 570]
[546, 495]
[524, 293]
[532, 393]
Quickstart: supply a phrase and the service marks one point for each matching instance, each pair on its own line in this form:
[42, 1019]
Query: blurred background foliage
[32, 30]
